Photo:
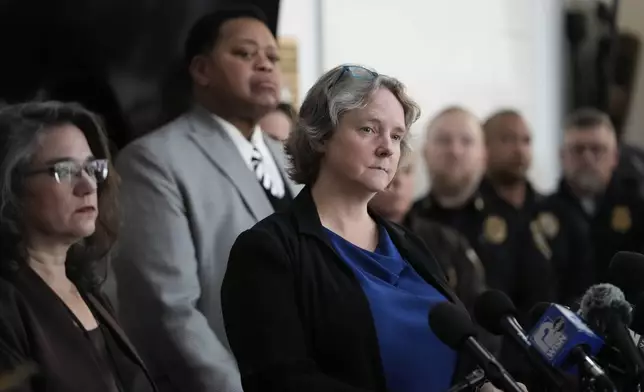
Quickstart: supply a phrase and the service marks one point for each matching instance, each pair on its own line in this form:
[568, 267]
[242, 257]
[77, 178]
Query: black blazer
[36, 328]
[295, 315]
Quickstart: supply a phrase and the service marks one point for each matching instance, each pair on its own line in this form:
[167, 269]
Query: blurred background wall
[481, 54]
[122, 57]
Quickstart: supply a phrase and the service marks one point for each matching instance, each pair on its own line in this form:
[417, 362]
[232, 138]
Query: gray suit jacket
[186, 195]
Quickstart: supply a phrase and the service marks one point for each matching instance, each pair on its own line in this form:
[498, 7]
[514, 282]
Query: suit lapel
[222, 152]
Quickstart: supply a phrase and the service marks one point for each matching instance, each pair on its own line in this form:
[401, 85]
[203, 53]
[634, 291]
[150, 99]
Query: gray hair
[21, 130]
[327, 101]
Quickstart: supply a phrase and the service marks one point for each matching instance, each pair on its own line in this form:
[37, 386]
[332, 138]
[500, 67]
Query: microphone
[495, 312]
[454, 328]
[562, 339]
[604, 307]
[626, 271]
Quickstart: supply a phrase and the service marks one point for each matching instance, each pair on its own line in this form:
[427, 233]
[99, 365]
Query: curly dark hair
[20, 128]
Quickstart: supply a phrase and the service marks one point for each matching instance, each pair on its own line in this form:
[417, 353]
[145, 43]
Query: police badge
[621, 220]
[495, 229]
[549, 224]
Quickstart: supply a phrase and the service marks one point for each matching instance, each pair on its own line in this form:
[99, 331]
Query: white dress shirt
[245, 148]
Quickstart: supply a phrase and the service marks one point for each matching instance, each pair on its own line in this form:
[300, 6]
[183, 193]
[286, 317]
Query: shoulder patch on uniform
[540, 240]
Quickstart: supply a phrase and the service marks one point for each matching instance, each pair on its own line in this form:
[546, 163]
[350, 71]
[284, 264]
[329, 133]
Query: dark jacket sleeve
[15, 366]
[262, 320]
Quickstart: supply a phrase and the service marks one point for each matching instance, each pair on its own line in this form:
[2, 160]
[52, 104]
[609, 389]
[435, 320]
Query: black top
[464, 270]
[297, 318]
[36, 328]
[104, 357]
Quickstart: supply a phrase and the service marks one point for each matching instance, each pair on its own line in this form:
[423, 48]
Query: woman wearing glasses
[58, 221]
[327, 296]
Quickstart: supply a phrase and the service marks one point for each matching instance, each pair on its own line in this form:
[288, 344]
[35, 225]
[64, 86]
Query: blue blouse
[413, 358]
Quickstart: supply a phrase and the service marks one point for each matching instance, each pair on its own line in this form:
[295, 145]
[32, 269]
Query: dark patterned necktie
[257, 161]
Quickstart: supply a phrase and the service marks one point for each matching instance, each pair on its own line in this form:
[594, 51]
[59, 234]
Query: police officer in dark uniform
[601, 208]
[515, 255]
[508, 141]
[513, 252]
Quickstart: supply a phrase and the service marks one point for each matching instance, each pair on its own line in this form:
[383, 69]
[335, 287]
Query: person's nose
[386, 145]
[85, 184]
[264, 63]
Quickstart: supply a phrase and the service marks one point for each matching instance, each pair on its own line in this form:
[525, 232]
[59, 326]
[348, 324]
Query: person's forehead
[511, 123]
[246, 29]
[456, 124]
[62, 141]
[599, 133]
[382, 107]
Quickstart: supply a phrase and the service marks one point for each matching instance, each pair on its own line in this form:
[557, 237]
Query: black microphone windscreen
[491, 307]
[451, 324]
[602, 302]
[626, 271]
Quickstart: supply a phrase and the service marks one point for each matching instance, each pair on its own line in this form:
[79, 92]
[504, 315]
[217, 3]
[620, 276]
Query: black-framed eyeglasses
[356, 71]
[65, 171]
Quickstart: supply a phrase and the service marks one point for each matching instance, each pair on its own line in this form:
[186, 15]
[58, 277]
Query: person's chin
[84, 229]
[376, 185]
[265, 100]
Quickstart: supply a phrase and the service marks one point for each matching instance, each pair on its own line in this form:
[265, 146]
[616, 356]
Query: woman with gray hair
[58, 222]
[328, 296]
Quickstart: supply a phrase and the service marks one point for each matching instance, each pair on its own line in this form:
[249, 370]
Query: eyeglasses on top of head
[65, 171]
[356, 71]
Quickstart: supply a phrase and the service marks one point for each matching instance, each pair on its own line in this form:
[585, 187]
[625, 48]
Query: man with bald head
[509, 149]
[456, 160]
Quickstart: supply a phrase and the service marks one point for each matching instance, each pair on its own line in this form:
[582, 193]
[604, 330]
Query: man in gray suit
[188, 190]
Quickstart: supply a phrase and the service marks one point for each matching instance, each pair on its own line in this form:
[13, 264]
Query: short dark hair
[587, 118]
[21, 126]
[491, 121]
[204, 34]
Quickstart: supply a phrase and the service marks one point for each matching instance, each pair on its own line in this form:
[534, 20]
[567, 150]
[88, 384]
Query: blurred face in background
[394, 202]
[509, 149]
[454, 153]
[589, 157]
[277, 125]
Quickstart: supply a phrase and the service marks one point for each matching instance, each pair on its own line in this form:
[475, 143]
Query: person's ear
[200, 70]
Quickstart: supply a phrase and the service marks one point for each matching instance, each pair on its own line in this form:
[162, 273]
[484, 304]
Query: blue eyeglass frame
[351, 70]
